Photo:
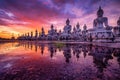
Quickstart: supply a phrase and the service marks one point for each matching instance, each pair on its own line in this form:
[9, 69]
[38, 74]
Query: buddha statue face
[100, 12]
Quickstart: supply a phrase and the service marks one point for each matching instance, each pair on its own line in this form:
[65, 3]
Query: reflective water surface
[58, 61]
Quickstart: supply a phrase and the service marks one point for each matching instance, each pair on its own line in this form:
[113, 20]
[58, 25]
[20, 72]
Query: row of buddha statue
[101, 31]
[53, 34]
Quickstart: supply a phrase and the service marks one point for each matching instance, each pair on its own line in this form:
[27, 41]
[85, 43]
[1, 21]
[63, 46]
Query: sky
[23, 16]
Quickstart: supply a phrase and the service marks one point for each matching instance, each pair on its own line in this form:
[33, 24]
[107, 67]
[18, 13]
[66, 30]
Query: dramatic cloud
[27, 15]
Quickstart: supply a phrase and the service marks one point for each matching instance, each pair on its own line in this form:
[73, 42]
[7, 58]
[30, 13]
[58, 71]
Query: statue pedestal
[65, 36]
[101, 35]
[117, 39]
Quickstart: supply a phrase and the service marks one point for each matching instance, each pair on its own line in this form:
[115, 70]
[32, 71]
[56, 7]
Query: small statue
[36, 33]
[51, 31]
[43, 32]
[31, 34]
[78, 28]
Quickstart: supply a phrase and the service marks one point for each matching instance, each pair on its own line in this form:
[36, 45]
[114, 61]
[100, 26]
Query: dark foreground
[58, 61]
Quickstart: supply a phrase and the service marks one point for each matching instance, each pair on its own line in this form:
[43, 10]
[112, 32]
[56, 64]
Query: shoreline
[112, 44]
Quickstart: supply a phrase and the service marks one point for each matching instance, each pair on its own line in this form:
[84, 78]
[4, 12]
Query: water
[58, 61]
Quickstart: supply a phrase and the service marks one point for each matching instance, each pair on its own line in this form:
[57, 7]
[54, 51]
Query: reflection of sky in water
[73, 58]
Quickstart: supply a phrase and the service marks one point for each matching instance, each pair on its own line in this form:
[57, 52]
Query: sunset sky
[22, 16]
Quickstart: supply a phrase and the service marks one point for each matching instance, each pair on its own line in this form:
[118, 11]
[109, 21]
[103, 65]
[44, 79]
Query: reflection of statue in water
[84, 50]
[101, 57]
[36, 47]
[67, 53]
[116, 53]
[31, 46]
[76, 51]
[28, 45]
[42, 48]
[51, 49]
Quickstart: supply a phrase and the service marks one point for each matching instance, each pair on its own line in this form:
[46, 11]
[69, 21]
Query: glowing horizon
[23, 16]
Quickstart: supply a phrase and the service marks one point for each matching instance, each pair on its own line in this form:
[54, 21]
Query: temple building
[101, 31]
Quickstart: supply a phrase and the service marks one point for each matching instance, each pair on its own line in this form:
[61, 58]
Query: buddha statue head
[78, 25]
[36, 31]
[100, 12]
[60, 31]
[42, 29]
[52, 26]
[31, 33]
[118, 22]
[84, 27]
[67, 21]
[28, 33]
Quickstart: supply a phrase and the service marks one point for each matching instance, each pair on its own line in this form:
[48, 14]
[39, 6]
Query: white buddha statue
[101, 31]
[101, 22]
[74, 36]
[42, 35]
[51, 33]
[76, 32]
[67, 30]
[116, 31]
[84, 32]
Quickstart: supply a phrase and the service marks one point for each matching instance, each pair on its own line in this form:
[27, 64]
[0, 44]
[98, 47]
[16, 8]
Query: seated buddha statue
[67, 28]
[51, 33]
[101, 22]
[66, 34]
